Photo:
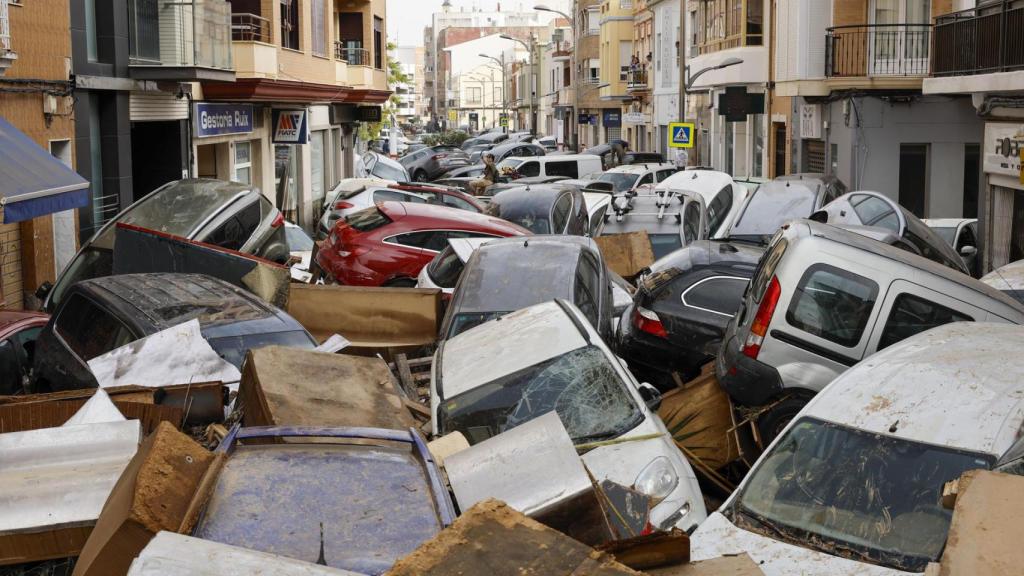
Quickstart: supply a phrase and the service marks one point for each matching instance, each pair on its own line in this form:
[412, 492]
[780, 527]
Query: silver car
[823, 299]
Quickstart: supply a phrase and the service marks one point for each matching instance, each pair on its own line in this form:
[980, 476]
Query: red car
[18, 333]
[389, 244]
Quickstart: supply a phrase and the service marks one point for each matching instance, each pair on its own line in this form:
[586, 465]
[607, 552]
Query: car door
[694, 224]
[910, 309]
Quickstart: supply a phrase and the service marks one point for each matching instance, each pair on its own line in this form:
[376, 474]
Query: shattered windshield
[581, 386]
[854, 494]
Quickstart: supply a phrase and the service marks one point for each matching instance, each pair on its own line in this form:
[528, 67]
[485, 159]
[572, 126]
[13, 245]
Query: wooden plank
[404, 374]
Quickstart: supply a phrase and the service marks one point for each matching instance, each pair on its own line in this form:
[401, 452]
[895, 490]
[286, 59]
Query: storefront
[226, 143]
[1003, 227]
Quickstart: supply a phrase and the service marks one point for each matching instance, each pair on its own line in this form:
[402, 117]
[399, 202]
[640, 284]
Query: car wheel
[771, 423]
[401, 283]
[420, 176]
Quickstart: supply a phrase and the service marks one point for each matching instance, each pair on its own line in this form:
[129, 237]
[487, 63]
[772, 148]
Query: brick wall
[40, 35]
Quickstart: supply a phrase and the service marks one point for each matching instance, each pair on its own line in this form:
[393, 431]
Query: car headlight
[658, 479]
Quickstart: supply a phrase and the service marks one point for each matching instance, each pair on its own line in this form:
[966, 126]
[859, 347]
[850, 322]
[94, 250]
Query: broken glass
[581, 386]
[851, 493]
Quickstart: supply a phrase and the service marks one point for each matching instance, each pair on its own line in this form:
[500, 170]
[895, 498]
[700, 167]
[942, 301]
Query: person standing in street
[618, 155]
[490, 176]
[682, 158]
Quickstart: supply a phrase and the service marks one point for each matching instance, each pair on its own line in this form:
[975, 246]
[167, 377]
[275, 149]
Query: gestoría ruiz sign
[218, 119]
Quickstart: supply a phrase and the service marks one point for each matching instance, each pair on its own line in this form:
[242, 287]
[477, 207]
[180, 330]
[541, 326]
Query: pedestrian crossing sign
[680, 135]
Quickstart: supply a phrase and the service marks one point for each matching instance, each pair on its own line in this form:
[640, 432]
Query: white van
[853, 485]
[568, 165]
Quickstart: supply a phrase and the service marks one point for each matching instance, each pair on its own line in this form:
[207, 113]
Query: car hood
[718, 537]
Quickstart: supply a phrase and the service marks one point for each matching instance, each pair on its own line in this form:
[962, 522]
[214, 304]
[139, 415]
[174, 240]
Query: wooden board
[707, 414]
[740, 565]
[291, 387]
[984, 535]
[626, 254]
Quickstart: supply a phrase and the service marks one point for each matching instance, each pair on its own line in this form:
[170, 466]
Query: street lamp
[504, 92]
[574, 74]
[530, 80]
[684, 87]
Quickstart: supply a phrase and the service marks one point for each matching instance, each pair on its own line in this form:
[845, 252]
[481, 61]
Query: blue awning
[32, 182]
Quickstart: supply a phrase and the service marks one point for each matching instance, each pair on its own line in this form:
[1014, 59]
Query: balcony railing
[981, 40]
[182, 34]
[354, 56]
[894, 50]
[636, 79]
[250, 28]
[7, 56]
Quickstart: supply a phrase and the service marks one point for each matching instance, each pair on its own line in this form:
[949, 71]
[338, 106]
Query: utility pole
[681, 40]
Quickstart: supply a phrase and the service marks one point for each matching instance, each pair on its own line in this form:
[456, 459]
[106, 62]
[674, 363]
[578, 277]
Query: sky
[407, 18]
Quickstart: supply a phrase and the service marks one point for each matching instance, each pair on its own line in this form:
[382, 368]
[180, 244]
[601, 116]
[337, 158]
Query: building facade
[663, 74]
[616, 54]
[410, 106]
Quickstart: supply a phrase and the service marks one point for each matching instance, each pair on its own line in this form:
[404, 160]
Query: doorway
[972, 179]
[913, 193]
[780, 149]
[206, 161]
[159, 155]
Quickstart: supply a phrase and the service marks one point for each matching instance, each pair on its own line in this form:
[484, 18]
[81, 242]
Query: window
[646, 179]
[560, 213]
[719, 207]
[243, 162]
[527, 169]
[625, 58]
[456, 202]
[378, 43]
[396, 196]
[832, 304]
[593, 21]
[912, 314]
[873, 211]
[416, 239]
[89, 330]
[367, 220]
[91, 45]
[237, 229]
[585, 289]
[719, 294]
[569, 169]
[691, 222]
[319, 31]
[663, 174]
[473, 95]
[290, 24]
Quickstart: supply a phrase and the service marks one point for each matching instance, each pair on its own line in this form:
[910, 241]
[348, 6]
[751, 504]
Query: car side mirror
[968, 251]
[44, 290]
[651, 396]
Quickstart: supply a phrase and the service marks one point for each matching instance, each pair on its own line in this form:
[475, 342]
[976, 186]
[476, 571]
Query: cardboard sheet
[291, 387]
[706, 409]
[626, 254]
[176, 355]
[368, 317]
[984, 536]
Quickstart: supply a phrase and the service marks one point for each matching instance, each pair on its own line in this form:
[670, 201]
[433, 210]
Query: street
[588, 287]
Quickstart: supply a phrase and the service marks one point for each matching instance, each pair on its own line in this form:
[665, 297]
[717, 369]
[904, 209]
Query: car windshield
[298, 241]
[466, 320]
[769, 208]
[581, 386]
[620, 182]
[233, 348]
[856, 494]
[947, 233]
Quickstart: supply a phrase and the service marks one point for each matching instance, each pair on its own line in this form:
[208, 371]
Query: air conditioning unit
[49, 104]
[810, 121]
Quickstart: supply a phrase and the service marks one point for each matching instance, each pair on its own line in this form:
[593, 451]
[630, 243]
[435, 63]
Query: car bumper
[743, 378]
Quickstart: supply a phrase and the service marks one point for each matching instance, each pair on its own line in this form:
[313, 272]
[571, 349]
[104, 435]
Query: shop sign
[1004, 149]
[290, 126]
[636, 118]
[369, 114]
[218, 119]
[590, 119]
[612, 119]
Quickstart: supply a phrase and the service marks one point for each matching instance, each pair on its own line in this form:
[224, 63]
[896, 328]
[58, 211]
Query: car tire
[401, 283]
[772, 422]
[420, 176]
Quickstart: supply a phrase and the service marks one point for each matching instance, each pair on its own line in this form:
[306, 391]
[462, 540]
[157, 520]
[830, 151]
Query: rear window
[89, 330]
[766, 268]
[368, 219]
[771, 207]
[236, 230]
[832, 304]
[664, 244]
[720, 295]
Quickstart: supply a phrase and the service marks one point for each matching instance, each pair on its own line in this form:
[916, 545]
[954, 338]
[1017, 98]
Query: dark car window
[397, 196]
[646, 179]
[456, 202]
[691, 222]
[444, 270]
[719, 207]
[560, 213]
[664, 244]
[586, 290]
[568, 169]
[11, 371]
[419, 239]
[832, 304]
[721, 295]
[663, 174]
[527, 169]
[367, 220]
[237, 229]
[912, 314]
[769, 208]
[233, 348]
[89, 330]
[874, 211]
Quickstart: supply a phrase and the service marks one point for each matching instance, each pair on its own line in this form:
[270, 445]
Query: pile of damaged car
[638, 370]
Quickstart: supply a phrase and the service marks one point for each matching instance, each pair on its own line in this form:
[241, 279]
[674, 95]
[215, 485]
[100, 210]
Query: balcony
[878, 51]
[7, 56]
[254, 54]
[636, 80]
[352, 55]
[983, 40]
[188, 40]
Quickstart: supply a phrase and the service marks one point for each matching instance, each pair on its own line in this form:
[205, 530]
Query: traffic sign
[453, 116]
[680, 135]
[503, 121]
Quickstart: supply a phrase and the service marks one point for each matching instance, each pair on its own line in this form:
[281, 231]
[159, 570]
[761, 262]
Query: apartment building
[978, 53]
[637, 111]
[410, 94]
[662, 78]
[616, 54]
[849, 101]
[478, 73]
[41, 190]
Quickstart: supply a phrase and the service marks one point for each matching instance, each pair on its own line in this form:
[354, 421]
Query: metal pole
[682, 61]
[531, 87]
[574, 77]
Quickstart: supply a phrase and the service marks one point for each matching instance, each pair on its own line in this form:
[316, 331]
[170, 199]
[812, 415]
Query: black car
[783, 199]
[542, 209]
[543, 268]
[682, 307]
[99, 315]
[429, 163]
[509, 149]
[605, 152]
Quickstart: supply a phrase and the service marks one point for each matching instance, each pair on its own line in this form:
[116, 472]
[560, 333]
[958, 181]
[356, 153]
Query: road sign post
[680, 135]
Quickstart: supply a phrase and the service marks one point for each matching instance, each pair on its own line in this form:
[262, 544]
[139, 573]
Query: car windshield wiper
[764, 522]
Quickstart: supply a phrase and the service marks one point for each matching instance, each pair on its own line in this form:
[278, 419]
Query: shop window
[243, 162]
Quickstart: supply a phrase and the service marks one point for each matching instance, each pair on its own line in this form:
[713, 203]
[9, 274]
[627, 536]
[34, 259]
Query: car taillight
[647, 321]
[759, 327]
[278, 220]
[342, 205]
